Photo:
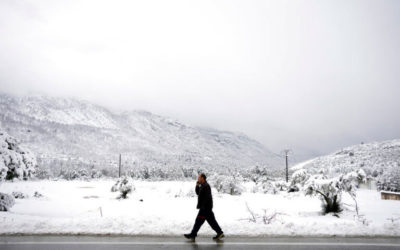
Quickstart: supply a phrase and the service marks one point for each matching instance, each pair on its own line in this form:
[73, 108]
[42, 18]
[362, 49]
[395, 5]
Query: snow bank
[169, 208]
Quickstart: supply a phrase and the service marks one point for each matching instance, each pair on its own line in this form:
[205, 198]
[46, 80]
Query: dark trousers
[205, 214]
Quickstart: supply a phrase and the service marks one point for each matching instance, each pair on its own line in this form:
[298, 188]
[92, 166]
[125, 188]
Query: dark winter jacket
[204, 199]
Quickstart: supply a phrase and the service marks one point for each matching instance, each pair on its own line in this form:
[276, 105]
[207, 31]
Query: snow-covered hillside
[65, 132]
[380, 160]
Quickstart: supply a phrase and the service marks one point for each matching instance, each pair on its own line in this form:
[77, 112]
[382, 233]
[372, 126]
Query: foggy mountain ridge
[79, 132]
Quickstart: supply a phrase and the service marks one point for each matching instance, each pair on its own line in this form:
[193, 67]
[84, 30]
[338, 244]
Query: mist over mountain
[72, 132]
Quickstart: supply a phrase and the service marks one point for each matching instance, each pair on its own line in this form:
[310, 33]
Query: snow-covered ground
[169, 208]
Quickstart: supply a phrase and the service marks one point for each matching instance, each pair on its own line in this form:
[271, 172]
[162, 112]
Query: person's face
[200, 179]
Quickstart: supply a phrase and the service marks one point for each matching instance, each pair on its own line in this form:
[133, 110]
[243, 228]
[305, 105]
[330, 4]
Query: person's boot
[190, 237]
[219, 236]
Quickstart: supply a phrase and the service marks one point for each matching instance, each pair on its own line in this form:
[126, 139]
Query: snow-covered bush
[299, 178]
[352, 180]
[6, 202]
[15, 160]
[124, 185]
[189, 172]
[3, 170]
[108, 172]
[144, 173]
[74, 174]
[257, 174]
[185, 193]
[37, 194]
[42, 174]
[266, 187]
[281, 185]
[390, 181]
[329, 190]
[95, 173]
[294, 188]
[19, 195]
[68, 174]
[83, 173]
[227, 184]
[271, 187]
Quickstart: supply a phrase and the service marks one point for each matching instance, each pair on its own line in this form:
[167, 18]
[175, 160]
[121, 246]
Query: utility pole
[119, 169]
[287, 164]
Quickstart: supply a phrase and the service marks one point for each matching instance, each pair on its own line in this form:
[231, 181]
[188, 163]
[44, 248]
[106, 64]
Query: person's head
[202, 178]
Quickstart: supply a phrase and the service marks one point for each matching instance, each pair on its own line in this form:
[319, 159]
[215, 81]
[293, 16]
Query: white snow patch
[169, 208]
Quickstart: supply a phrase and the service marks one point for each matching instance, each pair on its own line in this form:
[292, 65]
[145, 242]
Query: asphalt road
[148, 242]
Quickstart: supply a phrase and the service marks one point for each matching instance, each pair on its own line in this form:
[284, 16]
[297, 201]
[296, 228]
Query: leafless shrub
[361, 218]
[393, 219]
[267, 217]
[253, 215]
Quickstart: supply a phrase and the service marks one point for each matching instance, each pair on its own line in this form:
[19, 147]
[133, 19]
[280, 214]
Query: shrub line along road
[44, 242]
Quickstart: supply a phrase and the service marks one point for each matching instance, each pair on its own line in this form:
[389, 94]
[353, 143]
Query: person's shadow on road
[218, 245]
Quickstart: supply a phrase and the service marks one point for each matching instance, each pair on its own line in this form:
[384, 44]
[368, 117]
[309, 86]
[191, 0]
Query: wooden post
[287, 164]
[119, 168]
[287, 169]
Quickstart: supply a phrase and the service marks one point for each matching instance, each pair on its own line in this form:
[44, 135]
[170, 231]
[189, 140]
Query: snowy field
[169, 208]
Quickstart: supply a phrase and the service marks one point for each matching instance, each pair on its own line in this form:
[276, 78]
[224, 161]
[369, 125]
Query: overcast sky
[313, 76]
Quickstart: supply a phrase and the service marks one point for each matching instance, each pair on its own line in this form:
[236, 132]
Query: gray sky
[313, 76]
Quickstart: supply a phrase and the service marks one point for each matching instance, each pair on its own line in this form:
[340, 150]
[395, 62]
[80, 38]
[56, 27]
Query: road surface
[149, 242]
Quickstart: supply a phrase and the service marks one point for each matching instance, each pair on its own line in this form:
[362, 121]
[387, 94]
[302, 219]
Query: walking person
[205, 205]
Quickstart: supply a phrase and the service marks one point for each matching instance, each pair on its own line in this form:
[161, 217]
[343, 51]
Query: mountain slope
[78, 132]
[380, 160]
